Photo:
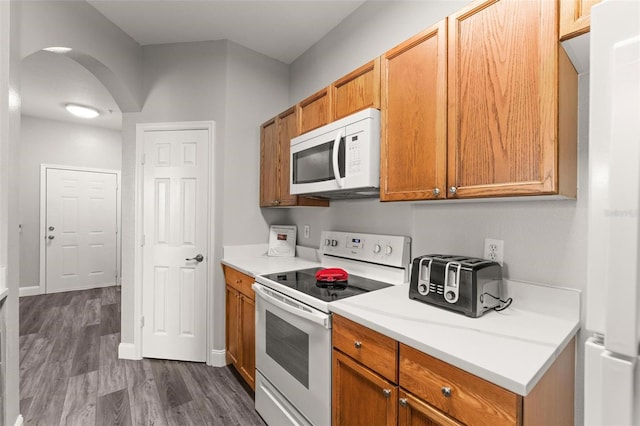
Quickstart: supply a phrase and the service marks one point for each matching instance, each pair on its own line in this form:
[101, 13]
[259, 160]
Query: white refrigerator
[612, 363]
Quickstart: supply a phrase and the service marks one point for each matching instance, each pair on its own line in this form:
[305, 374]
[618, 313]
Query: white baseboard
[29, 291]
[217, 358]
[19, 420]
[127, 351]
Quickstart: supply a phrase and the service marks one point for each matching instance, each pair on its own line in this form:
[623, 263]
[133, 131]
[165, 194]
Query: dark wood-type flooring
[70, 373]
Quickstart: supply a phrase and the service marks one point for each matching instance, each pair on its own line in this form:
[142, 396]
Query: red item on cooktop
[331, 275]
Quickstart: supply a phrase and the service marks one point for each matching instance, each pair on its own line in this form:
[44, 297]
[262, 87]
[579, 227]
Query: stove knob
[334, 243]
[388, 250]
[327, 242]
[377, 248]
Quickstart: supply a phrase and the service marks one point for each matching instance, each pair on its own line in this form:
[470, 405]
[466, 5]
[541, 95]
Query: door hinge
[141, 322]
[144, 158]
[143, 240]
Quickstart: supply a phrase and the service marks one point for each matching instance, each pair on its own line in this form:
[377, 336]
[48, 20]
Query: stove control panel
[389, 250]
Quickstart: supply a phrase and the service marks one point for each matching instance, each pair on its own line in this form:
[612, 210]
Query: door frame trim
[136, 349]
[43, 218]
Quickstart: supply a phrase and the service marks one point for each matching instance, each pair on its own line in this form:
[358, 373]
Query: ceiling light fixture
[82, 111]
[58, 49]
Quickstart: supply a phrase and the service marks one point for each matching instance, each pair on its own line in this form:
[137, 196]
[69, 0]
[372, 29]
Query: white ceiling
[279, 29]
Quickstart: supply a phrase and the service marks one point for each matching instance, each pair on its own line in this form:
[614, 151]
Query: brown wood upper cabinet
[512, 96]
[356, 91]
[413, 143]
[575, 17]
[315, 111]
[511, 107]
[275, 144]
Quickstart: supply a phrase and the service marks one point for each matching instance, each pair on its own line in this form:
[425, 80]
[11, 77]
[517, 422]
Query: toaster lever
[452, 282]
[424, 276]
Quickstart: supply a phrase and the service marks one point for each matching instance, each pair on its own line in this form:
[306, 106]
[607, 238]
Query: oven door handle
[336, 165]
[291, 306]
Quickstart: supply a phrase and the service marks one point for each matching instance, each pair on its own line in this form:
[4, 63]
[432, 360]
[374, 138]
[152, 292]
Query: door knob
[51, 237]
[198, 258]
[51, 228]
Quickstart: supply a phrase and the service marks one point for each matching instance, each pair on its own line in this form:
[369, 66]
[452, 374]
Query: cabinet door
[503, 98]
[232, 324]
[414, 118]
[415, 412]
[357, 90]
[575, 17]
[315, 111]
[287, 129]
[247, 365]
[269, 170]
[360, 396]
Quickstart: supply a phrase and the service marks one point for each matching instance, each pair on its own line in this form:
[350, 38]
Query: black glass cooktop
[304, 281]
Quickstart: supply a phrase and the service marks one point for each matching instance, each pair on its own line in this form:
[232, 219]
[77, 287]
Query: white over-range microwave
[338, 160]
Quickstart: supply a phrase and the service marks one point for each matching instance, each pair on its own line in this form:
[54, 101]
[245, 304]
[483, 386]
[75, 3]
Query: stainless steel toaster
[458, 283]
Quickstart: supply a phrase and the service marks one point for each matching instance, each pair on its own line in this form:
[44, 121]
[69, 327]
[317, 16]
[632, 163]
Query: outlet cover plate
[494, 250]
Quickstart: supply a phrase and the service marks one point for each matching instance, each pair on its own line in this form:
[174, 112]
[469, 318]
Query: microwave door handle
[336, 166]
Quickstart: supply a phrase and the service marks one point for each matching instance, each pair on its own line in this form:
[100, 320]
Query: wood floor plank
[92, 312]
[110, 295]
[185, 414]
[113, 409]
[110, 319]
[112, 375]
[87, 352]
[146, 407]
[171, 386]
[47, 404]
[80, 400]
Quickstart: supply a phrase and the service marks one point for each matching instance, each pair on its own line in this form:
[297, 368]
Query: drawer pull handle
[357, 344]
[403, 402]
[446, 391]
[386, 393]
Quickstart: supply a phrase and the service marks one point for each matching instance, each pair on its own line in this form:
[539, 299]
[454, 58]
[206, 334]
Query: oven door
[293, 353]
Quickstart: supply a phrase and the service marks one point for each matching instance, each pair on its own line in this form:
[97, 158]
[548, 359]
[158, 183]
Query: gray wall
[238, 89]
[544, 241]
[54, 142]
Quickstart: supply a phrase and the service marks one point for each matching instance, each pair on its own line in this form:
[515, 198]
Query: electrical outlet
[494, 250]
[307, 231]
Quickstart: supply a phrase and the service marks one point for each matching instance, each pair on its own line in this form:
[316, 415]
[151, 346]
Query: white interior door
[175, 211]
[81, 230]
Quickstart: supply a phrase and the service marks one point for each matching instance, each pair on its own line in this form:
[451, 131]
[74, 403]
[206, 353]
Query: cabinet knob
[436, 192]
[357, 344]
[453, 190]
[275, 202]
[238, 281]
[446, 391]
[403, 402]
[386, 393]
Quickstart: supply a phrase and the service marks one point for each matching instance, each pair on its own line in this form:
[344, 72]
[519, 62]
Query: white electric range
[293, 322]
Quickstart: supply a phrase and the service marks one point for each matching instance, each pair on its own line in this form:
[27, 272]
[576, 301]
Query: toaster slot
[452, 282]
[424, 276]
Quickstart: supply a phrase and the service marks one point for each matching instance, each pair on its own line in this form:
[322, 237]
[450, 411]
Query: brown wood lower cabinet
[423, 390]
[240, 323]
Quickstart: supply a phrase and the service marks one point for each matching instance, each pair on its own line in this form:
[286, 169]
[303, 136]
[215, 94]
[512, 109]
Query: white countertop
[512, 348]
[253, 260]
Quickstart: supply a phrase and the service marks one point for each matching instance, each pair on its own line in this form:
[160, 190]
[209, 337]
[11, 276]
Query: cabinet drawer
[470, 399]
[377, 351]
[239, 281]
